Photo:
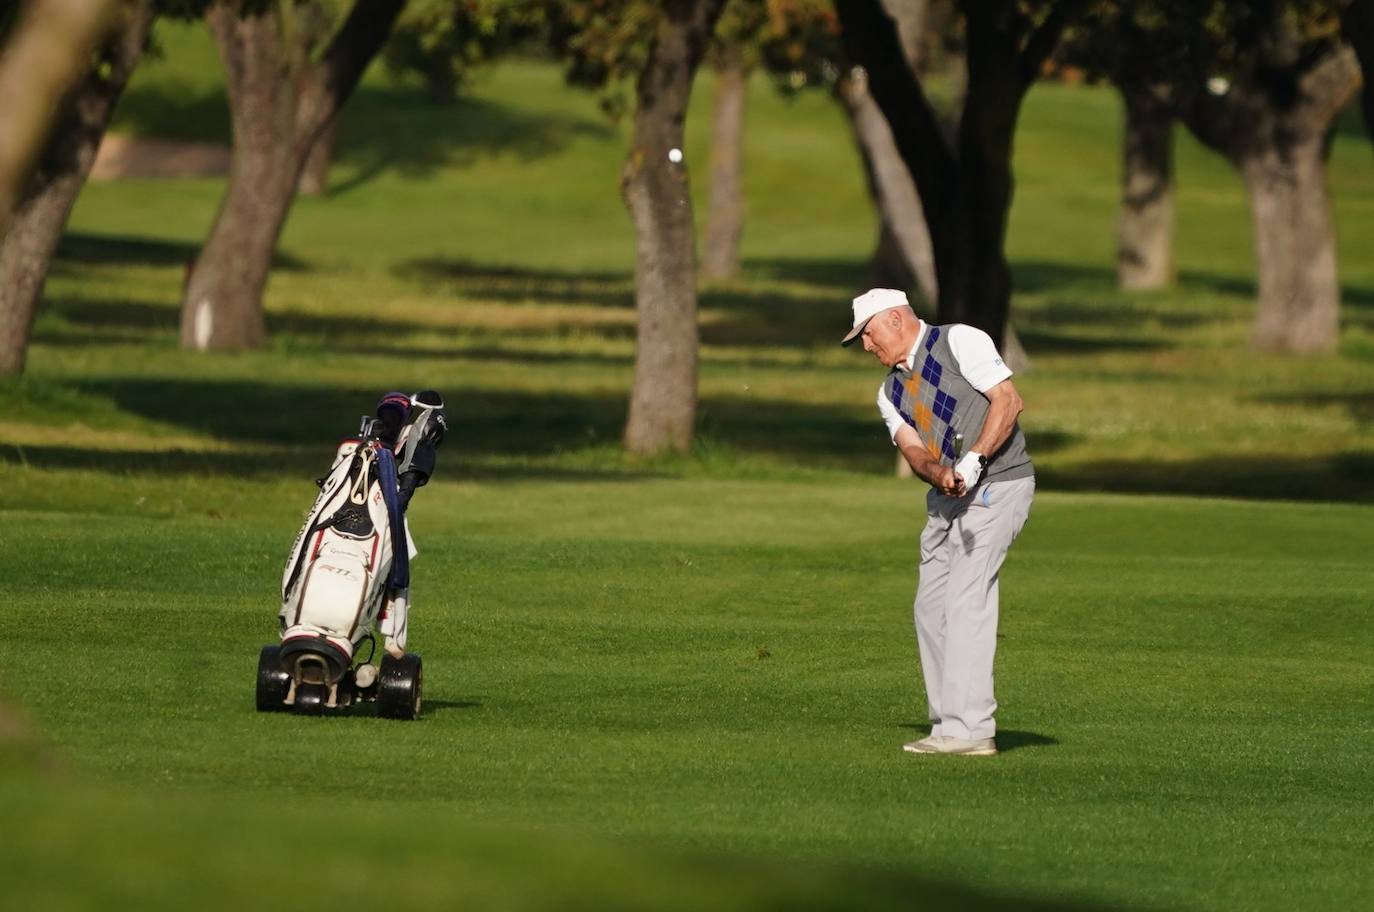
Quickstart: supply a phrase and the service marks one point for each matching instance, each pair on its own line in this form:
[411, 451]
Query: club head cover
[393, 410]
[422, 435]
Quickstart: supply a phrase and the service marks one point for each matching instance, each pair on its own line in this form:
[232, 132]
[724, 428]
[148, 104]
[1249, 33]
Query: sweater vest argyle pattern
[937, 402]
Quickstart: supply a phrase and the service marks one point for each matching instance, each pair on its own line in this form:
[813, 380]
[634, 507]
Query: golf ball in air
[675, 155]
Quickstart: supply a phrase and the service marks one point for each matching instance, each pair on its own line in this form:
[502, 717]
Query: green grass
[679, 683]
[1177, 680]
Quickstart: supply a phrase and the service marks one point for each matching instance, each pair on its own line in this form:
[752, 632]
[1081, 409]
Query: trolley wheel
[273, 683]
[311, 699]
[399, 687]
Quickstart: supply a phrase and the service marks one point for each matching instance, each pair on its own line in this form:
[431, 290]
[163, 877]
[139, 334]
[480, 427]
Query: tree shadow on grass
[302, 463]
[102, 318]
[399, 129]
[1042, 342]
[79, 247]
[1053, 276]
[1345, 477]
[94, 319]
[488, 426]
[824, 889]
[304, 423]
[483, 422]
[1359, 405]
[492, 354]
[1231, 285]
[383, 128]
[519, 285]
[751, 318]
[1036, 276]
[844, 276]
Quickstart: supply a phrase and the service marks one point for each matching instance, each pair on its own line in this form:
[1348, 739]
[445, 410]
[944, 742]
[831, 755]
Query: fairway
[709, 665]
[682, 682]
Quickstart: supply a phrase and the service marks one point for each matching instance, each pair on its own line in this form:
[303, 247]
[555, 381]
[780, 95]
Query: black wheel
[310, 699]
[399, 687]
[273, 683]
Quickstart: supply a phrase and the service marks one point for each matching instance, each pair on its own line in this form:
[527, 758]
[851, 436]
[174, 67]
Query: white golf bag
[349, 572]
[338, 584]
[349, 569]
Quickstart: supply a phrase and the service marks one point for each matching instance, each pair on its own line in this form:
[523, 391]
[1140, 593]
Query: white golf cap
[871, 303]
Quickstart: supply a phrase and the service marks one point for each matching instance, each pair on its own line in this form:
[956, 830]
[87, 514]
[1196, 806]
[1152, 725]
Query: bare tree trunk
[983, 296]
[1013, 352]
[913, 21]
[902, 257]
[965, 193]
[1295, 250]
[35, 228]
[663, 402]
[887, 267]
[281, 101]
[315, 176]
[902, 224]
[314, 181]
[222, 307]
[725, 206]
[1273, 126]
[1145, 234]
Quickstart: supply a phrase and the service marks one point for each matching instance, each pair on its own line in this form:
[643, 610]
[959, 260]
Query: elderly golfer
[946, 385]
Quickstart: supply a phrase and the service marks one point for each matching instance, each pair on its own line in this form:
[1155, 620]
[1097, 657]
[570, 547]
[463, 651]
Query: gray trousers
[962, 549]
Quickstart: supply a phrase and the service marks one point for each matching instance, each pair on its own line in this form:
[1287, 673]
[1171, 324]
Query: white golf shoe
[947, 744]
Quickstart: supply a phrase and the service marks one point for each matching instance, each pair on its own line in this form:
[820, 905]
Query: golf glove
[970, 469]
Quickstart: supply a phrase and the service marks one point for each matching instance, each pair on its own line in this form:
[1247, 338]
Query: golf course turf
[684, 682]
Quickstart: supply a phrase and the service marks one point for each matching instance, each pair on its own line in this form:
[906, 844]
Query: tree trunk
[663, 402]
[1295, 249]
[1273, 126]
[903, 253]
[870, 38]
[965, 196]
[1145, 234]
[887, 267]
[281, 101]
[222, 304]
[725, 207]
[36, 226]
[315, 176]
[913, 21]
[981, 296]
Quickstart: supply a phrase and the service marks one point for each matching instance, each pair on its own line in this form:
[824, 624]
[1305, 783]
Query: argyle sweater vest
[936, 400]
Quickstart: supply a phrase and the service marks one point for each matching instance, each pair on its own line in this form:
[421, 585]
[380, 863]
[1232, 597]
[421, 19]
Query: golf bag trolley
[348, 576]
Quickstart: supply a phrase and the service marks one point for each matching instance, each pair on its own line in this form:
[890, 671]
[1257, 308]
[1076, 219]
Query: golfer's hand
[969, 470]
[948, 482]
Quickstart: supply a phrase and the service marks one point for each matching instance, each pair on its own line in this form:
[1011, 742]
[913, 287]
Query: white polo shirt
[974, 355]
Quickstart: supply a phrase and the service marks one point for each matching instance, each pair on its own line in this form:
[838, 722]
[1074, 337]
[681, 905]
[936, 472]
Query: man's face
[882, 336]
